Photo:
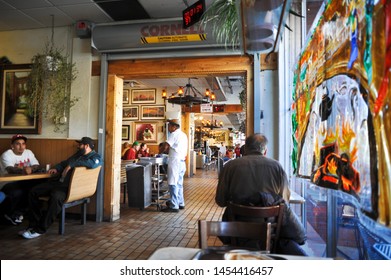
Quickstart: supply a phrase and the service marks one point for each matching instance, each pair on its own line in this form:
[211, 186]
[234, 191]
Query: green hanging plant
[223, 16]
[50, 83]
[243, 102]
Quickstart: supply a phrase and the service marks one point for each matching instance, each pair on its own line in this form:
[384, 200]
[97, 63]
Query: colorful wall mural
[341, 104]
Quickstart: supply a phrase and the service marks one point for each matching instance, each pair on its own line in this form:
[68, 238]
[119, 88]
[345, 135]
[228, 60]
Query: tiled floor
[136, 235]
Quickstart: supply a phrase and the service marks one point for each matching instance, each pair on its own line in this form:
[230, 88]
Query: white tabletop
[181, 253]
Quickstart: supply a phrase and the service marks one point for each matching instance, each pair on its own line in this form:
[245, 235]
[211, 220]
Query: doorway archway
[165, 68]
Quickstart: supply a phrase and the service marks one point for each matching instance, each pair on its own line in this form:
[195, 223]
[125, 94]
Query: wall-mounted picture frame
[145, 132]
[125, 132]
[126, 96]
[130, 113]
[153, 112]
[16, 115]
[144, 96]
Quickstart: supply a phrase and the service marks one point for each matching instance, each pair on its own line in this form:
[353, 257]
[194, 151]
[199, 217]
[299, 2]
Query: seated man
[17, 160]
[57, 189]
[245, 180]
[132, 152]
[2, 197]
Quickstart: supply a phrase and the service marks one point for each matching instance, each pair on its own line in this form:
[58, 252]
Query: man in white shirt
[222, 150]
[176, 145]
[17, 160]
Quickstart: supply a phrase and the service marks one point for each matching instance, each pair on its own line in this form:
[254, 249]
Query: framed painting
[16, 114]
[125, 132]
[130, 113]
[126, 96]
[143, 96]
[145, 132]
[153, 112]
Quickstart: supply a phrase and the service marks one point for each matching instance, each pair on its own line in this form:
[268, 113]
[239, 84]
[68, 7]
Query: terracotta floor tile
[136, 235]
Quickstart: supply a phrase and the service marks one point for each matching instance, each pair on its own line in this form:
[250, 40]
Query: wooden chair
[124, 185]
[81, 187]
[272, 214]
[254, 231]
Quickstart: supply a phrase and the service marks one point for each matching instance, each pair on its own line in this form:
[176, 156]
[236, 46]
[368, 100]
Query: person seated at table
[164, 155]
[144, 151]
[228, 155]
[216, 152]
[255, 180]
[57, 188]
[125, 148]
[2, 197]
[132, 152]
[17, 160]
[237, 150]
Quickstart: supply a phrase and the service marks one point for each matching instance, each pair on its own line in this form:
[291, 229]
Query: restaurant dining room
[161, 131]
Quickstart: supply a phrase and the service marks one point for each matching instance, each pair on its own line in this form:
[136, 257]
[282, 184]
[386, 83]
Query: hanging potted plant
[223, 16]
[50, 82]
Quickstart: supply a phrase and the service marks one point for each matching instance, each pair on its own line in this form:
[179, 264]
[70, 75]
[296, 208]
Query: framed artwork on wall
[143, 96]
[126, 96]
[125, 132]
[17, 115]
[145, 132]
[130, 113]
[153, 112]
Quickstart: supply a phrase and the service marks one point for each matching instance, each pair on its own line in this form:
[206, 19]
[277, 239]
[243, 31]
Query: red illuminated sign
[193, 14]
[218, 108]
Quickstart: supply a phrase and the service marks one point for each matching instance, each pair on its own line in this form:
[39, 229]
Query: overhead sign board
[206, 108]
[173, 39]
[192, 14]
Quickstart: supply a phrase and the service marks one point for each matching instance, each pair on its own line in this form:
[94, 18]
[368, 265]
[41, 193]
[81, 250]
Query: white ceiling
[30, 14]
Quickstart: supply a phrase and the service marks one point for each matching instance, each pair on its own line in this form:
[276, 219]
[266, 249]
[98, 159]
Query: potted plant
[50, 82]
[223, 16]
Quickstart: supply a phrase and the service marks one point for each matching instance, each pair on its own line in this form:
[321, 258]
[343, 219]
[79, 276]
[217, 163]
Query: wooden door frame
[163, 68]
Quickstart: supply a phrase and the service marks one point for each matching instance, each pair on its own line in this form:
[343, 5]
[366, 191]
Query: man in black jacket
[255, 180]
[57, 189]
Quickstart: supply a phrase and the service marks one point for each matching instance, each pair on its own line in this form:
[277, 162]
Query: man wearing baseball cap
[57, 190]
[176, 145]
[132, 152]
[17, 160]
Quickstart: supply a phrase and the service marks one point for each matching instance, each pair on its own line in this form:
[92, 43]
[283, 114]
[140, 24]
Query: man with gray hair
[244, 177]
[255, 180]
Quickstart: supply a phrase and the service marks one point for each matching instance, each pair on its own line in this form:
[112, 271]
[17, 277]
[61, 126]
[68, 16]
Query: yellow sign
[173, 39]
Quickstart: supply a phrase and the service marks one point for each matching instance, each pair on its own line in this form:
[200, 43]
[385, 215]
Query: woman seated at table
[125, 148]
[144, 151]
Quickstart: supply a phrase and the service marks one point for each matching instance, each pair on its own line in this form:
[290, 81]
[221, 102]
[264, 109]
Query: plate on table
[247, 255]
[228, 253]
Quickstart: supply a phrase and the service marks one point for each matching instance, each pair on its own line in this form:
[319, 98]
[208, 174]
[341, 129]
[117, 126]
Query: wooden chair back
[271, 214]
[125, 163]
[83, 183]
[254, 231]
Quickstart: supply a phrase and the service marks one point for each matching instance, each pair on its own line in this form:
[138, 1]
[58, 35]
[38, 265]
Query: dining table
[23, 177]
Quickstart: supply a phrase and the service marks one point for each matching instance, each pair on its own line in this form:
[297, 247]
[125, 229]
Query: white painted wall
[21, 46]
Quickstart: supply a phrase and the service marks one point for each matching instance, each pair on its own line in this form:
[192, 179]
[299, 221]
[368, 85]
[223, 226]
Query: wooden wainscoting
[46, 150]
[52, 151]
